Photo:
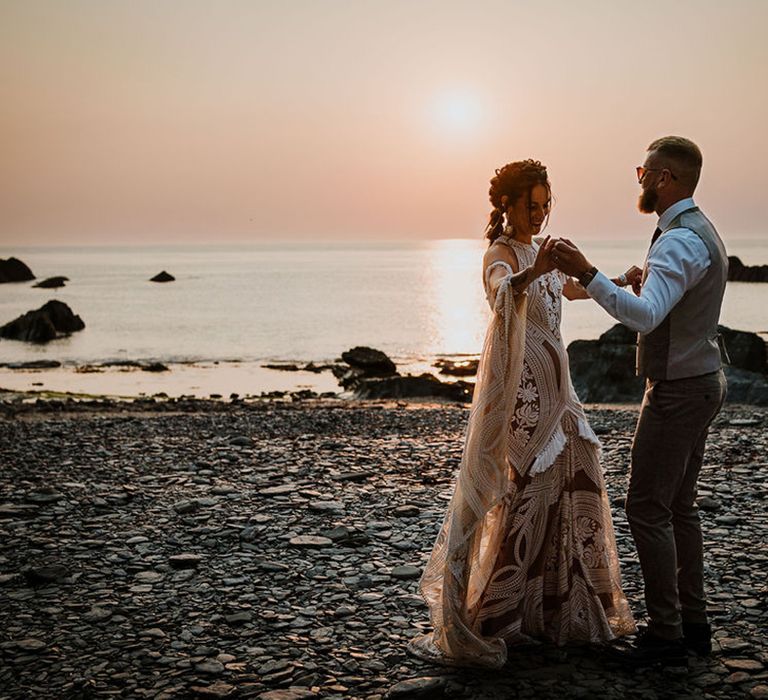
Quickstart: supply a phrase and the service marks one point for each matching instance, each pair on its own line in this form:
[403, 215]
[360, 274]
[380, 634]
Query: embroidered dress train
[526, 547]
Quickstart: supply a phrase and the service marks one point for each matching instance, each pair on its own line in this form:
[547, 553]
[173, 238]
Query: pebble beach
[272, 549]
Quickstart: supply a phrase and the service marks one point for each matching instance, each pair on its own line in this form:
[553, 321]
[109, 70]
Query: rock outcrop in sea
[32, 364]
[739, 272]
[52, 282]
[44, 324]
[13, 270]
[163, 277]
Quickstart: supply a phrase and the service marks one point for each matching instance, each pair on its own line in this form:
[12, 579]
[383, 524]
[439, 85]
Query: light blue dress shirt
[676, 262]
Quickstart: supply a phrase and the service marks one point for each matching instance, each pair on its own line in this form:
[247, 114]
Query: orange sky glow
[244, 120]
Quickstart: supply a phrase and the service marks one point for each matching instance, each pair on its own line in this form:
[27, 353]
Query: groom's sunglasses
[641, 171]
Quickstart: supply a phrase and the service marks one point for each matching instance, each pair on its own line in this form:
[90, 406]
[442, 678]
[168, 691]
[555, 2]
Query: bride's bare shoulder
[499, 251]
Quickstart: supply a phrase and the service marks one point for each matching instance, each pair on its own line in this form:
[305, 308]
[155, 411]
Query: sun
[457, 112]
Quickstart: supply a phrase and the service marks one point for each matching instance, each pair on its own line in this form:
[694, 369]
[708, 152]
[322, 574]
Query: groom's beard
[646, 203]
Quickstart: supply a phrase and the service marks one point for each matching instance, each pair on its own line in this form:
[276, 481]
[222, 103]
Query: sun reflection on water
[456, 296]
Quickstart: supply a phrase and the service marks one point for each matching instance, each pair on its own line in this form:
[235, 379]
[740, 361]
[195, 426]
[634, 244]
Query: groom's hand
[569, 259]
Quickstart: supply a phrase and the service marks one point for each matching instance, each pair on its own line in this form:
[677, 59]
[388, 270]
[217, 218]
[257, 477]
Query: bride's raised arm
[501, 265]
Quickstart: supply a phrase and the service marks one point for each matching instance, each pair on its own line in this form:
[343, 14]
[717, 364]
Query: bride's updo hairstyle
[512, 181]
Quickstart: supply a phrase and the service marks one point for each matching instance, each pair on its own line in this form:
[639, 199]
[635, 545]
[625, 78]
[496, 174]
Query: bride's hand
[634, 278]
[544, 262]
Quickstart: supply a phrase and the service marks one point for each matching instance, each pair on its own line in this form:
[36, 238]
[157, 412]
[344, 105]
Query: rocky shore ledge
[272, 550]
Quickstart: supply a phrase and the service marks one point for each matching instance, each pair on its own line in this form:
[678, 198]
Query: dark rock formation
[41, 325]
[13, 270]
[364, 363]
[316, 369]
[121, 363]
[301, 394]
[373, 362]
[163, 277]
[739, 272]
[127, 365]
[619, 335]
[746, 387]
[745, 350]
[747, 371]
[273, 394]
[412, 386]
[308, 367]
[52, 282]
[33, 364]
[155, 367]
[370, 374]
[457, 368]
[603, 370]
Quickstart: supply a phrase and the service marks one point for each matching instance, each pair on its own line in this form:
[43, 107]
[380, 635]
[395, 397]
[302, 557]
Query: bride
[526, 548]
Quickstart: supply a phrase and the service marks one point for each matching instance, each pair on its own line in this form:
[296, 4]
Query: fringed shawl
[461, 561]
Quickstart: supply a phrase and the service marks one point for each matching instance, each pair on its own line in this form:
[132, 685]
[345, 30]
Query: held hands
[569, 259]
[544, 262]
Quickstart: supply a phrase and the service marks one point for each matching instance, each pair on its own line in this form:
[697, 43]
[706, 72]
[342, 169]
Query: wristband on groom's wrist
[586, 277]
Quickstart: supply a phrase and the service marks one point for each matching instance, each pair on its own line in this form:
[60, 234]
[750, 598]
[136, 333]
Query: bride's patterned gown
[544, 561]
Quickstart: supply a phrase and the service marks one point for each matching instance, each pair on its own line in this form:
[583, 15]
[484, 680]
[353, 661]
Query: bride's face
[526, 215]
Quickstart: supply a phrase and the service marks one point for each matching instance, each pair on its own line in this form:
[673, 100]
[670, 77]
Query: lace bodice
[545, 292]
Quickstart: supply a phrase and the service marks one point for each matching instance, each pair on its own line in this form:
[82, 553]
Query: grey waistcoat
[685, 343]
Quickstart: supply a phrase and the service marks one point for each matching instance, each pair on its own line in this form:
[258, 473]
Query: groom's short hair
[683, 155]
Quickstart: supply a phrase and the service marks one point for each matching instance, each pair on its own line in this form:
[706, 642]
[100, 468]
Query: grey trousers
[667, 453]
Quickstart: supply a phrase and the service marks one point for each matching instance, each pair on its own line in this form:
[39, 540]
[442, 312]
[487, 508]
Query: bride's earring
[507, 228]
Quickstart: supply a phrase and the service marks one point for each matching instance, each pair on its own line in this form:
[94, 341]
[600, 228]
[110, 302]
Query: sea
[234, 308]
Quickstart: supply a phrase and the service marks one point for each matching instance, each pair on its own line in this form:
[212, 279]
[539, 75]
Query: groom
[678, 352]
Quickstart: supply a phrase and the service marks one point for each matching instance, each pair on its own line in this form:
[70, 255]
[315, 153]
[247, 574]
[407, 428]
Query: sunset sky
[240, 120]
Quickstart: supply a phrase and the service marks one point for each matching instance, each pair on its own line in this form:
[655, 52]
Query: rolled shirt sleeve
[676, 263]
